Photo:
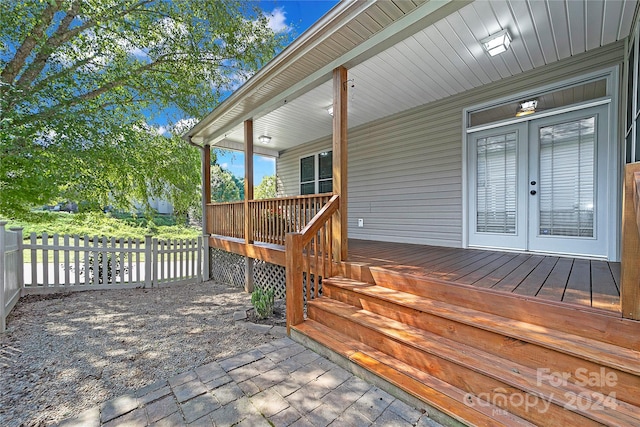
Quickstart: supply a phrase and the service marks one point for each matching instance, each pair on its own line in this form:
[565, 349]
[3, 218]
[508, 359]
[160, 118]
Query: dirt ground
[68, 352]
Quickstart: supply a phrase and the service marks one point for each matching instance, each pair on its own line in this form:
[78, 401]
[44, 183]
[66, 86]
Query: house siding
[405, 171]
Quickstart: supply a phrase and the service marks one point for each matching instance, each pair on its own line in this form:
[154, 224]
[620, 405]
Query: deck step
[587, 322]
[603, 353]
[472, 369]
[439, 394]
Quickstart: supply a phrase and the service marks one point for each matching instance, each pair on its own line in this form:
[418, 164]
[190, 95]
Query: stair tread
[438, 393]
[589, 322]
[509, 372]
[596, 351]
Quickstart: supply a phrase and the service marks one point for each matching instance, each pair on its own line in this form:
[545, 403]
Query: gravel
[65, 353]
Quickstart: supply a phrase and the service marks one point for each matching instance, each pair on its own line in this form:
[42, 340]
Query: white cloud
[224, 165]
[277, 20]
[162, 130]
[183, 125]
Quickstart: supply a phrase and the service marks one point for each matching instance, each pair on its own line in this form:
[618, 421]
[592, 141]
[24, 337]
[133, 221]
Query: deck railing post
[294, 291]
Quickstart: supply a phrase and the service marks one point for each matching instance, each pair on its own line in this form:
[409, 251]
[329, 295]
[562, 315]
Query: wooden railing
[630, 262]
[226, 219]
[271, 219]
[309, 258]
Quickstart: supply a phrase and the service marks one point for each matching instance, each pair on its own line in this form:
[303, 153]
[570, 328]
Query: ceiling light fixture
[264, 139]
[330, 110]
[497, 43]
[527, 107]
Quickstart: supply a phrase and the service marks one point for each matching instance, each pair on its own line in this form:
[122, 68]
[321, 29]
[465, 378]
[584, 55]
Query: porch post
[630, 262]
[206, 199]
[248, 195]
[340, 235]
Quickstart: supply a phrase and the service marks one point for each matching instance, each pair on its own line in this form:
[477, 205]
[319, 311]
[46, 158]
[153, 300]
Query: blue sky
[295, 17]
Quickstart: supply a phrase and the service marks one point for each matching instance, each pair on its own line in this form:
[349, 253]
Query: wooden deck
[575, 281]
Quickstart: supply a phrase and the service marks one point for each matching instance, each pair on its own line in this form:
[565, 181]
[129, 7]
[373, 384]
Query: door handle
[533, 192]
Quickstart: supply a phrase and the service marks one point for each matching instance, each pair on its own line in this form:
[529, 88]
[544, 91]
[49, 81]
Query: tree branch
[61, 36]
[14, 66]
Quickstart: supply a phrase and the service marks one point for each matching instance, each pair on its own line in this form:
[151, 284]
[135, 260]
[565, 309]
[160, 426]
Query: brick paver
[277, 384]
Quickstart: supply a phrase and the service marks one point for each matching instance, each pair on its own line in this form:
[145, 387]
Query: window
[316, 173]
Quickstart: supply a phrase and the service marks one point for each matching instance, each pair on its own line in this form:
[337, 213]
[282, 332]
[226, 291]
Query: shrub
[262, 300]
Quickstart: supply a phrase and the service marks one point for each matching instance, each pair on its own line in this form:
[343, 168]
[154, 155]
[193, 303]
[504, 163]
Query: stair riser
[585, 322]
[622, 384]
[445, 399]
[501, 394]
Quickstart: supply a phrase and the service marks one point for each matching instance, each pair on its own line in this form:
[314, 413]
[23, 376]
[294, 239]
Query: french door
[541, 185]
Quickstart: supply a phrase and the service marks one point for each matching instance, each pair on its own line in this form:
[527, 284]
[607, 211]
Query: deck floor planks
[604, 292]
[554, 286]
[534, 281]
[591, 283]
[578, 289]
[500, 273]
[457, 261]
[482, 271]
[513, 279]
[615, 272]
[475, 266]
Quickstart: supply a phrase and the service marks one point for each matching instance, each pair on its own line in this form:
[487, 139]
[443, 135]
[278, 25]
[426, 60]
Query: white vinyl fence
[10, 271]
[64, 263]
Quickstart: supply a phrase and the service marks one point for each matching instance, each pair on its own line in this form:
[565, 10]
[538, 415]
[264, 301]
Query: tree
[223, 185]
[79, 80]
[267, 188]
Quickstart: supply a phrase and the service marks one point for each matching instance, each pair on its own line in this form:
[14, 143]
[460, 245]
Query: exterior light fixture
[527, 107]
[497, 43]
[330, 110]
[264, 139]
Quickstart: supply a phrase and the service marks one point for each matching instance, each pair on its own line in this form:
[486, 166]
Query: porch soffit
[433, 62]
[344, 27]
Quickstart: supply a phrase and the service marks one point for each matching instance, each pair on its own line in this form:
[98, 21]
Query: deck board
[604, 292]
[578, 289]
[513, 279]
[534, 281]
[497, 275]
[561, 279]
[554, 286]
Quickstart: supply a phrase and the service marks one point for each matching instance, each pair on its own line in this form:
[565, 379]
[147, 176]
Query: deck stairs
[482, 357]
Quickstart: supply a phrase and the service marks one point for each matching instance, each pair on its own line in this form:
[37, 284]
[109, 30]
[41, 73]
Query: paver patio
[281, 383]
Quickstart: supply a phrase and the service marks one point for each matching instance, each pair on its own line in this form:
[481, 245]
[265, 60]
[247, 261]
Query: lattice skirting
[270, 276]
[226, 267]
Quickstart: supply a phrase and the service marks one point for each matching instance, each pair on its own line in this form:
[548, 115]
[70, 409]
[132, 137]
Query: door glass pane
[567, 179]
[496, 184]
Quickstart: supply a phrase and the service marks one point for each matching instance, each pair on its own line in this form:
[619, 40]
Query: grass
[101, 224]
[97, 224]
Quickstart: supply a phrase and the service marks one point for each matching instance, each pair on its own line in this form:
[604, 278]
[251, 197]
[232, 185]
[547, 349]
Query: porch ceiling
[445, 59]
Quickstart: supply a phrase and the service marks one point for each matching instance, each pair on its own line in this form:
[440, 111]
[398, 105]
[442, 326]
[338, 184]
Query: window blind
[567, 178]
[496, 184]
